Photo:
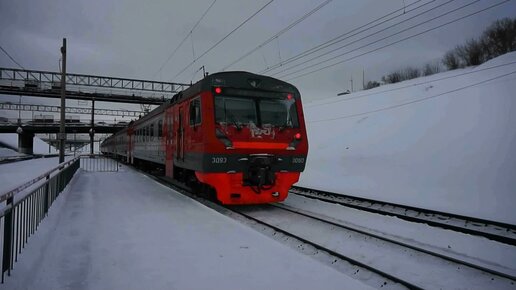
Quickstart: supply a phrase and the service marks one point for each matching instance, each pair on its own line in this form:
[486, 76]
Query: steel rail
[184, 190]
[507, 232]
[333, 253]
[389, 240]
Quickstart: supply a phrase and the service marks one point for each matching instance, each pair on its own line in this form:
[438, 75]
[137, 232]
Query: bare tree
[431, 68]
[450, 60]
[394, 77]
[471, 53]
[410, 73]
[500, 37]
[371, 85]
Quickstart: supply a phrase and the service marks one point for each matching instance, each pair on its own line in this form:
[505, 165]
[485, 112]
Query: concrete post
[26, 143]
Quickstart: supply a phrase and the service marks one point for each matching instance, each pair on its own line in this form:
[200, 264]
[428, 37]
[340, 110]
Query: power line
[221, 40]
[184, 39]
[415, 101]
[308, 14]
[333, 40]
[392, 43]
[411, 85]
[9, 56]
[376, 41]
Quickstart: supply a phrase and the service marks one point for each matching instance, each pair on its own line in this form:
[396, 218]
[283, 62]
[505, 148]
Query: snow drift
[444, 142]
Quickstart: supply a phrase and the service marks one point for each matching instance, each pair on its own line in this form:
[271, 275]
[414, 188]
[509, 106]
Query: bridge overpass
[26, 130]
[47, 84]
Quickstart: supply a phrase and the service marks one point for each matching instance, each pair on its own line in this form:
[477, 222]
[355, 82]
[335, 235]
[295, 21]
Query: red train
[238, 135]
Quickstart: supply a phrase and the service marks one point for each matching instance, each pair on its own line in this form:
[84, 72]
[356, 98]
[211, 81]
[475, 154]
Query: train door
[180, 136]
[195, 136]
[169, 146]
[130, 145]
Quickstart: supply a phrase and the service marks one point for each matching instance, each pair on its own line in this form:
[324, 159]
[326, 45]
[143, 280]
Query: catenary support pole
[62, 135]
[92, 129]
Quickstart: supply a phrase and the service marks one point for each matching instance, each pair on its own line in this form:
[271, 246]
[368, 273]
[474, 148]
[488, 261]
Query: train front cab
[252, 145]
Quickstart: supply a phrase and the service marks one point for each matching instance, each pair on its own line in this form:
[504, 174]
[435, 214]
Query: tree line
[499, 38]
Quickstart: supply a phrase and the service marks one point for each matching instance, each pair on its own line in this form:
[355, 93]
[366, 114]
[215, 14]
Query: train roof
[239, 79]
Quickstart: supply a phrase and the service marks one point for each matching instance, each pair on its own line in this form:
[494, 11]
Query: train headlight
[293, 144]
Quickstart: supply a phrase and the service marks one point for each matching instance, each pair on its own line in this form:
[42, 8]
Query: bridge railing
[23, 208]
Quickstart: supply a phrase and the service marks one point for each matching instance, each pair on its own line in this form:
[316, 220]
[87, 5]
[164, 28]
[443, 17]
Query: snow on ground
[7, 152]
[125, 231]
[40, 146]
[452, 152]
[473, 249]
[17, 173]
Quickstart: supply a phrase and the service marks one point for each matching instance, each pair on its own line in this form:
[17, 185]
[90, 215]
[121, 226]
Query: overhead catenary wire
[393, 43]
[377, 32]
[184, 39]
[408, 86]
[279, 33]
[224, 38]
[331, 41]
[414, 101]
[11, 58]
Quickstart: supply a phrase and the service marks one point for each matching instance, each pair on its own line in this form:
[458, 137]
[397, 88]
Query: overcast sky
[134, 38]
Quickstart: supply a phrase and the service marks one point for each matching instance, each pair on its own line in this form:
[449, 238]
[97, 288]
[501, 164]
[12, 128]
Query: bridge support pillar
[26, 143]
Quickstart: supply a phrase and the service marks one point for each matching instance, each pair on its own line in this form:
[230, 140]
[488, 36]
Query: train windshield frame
[244, 110]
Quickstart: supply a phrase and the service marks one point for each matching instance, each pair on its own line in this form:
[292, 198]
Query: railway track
[369, 275]
[374, 259]
[511, 277]
[405, 264]
[501, 232]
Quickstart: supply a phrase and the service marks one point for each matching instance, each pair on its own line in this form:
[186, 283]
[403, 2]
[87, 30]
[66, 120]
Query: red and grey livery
[239, 134]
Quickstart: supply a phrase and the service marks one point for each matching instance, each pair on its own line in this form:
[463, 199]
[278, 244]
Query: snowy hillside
[8, 152]
[445, 142]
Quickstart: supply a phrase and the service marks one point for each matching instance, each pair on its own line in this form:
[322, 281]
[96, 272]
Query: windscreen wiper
[233, 121]
[288, 123]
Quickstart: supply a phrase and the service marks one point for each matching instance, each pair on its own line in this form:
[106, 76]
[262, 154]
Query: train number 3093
[219, 160]
[298, 160]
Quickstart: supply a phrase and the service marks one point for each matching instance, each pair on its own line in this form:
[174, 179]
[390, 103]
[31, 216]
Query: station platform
[123, 230]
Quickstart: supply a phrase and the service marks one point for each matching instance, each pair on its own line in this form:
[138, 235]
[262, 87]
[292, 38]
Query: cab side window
[160, 128]
[195, 112]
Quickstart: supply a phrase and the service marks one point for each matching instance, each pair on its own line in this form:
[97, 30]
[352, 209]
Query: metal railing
[24, 208]
[34, 78]
[69, 110]
[99, 163]
[21, 215]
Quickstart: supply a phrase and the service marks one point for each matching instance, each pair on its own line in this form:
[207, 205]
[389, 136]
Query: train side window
[160, 128]
[152, 130]
[195, 112]
[170, 126]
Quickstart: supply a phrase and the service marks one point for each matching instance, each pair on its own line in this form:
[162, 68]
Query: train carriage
[240, 134]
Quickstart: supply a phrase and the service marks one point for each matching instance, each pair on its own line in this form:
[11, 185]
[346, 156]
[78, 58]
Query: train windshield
[262, 112]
